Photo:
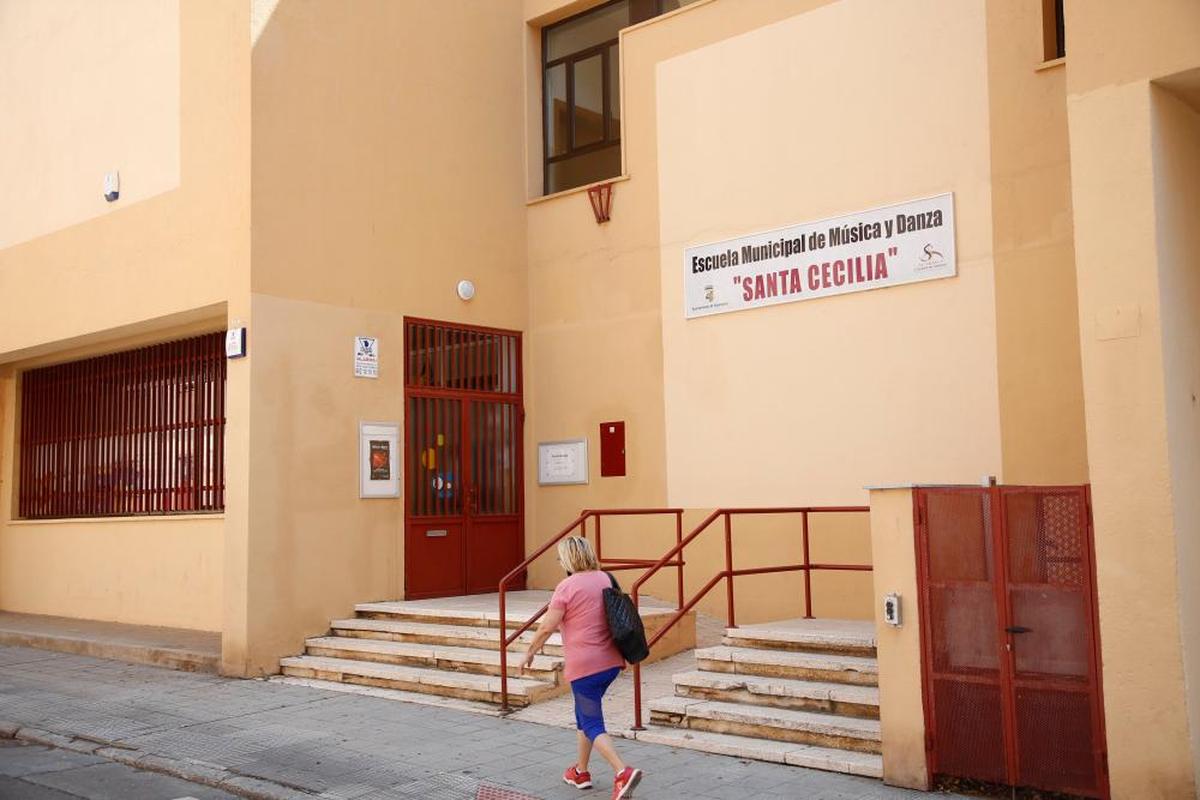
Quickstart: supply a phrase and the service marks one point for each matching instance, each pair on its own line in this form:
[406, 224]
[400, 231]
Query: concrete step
[439, 635]
[829, 698]
[439, 701]
[174, 648]
[457, 659]
[461, 685]
[842, 637]
[821, 667]
[869, 765]
[417, 611]
[482, 611]
[777, 724]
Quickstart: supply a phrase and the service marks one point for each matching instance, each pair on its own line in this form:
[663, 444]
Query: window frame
[568, 62]
[1054, 45]
[604, 49]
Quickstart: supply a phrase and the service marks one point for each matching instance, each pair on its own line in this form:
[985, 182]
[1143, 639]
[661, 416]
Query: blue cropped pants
[589, 695]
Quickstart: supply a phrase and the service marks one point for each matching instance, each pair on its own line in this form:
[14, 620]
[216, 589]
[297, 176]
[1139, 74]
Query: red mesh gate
[1012, 688]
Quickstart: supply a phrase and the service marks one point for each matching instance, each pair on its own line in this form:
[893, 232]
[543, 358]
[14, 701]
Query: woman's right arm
[549, 625]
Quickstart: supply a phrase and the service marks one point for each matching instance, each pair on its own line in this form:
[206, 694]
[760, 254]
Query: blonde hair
[576, 555]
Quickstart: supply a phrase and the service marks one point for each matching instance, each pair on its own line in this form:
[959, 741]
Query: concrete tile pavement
[265, 739]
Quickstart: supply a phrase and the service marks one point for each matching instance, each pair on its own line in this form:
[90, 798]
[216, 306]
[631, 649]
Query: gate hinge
[928, 741]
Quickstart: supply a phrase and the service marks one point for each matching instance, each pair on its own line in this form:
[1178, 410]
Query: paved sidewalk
[264, 739]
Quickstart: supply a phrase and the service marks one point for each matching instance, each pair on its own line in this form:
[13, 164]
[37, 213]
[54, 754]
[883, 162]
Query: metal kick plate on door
[436, 534]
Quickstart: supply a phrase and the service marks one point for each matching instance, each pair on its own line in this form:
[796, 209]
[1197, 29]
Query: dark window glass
[589, 100]
[581, 91]
[558, 124]
[586, 30]
[1053, 32]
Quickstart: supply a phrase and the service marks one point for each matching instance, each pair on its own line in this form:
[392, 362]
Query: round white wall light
[466, 290]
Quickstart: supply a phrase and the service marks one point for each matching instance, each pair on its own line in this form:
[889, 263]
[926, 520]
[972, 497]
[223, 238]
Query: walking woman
[592, 660]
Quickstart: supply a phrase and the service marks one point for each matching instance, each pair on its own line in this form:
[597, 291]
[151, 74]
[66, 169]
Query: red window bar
[138, 432]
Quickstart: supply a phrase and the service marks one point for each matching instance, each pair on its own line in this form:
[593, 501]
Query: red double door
[464, 518]
[1009, 633]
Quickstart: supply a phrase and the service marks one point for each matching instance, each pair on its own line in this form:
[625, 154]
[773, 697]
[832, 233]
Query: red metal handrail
[729, 573]
[612, 564]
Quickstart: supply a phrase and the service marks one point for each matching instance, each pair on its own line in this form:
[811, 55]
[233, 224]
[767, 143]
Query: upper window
[1053, 34]
[582, 94]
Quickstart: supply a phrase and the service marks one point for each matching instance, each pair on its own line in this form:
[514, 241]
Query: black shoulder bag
[625, 623]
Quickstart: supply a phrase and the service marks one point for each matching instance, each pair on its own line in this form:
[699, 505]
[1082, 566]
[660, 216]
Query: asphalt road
[32, 772]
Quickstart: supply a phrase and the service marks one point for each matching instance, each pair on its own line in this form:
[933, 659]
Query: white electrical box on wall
[891, 610]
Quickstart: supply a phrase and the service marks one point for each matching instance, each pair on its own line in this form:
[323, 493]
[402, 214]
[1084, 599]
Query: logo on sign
[930, 257]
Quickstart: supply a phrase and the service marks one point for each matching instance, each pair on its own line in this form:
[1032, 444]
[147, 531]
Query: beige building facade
[314, 174]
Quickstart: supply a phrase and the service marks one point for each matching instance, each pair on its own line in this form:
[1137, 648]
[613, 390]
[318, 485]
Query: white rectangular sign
[887, 246]
[563, 462]
[366, 357]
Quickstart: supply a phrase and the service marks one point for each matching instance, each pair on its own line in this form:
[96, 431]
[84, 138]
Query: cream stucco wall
[1037, 344]
[901, 712]
[383, 173]
[114, 104]
[816, 399]
[91, 88]
[594, 346]
[1134, 367]
[1130, 248]
[1176, 146]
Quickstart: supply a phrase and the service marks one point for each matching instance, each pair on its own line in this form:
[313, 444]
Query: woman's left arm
[549, 625]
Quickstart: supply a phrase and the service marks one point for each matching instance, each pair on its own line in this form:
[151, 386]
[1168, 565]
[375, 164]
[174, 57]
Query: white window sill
[577, 190]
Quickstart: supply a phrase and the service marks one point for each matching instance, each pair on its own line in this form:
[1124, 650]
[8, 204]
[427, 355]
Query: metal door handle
[1018, 629]
[436, 534]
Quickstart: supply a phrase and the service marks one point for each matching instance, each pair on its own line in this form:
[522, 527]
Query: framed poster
[379, 459]
[563, 463]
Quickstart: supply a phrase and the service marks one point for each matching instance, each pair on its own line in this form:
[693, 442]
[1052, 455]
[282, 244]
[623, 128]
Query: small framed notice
[379, 459]
[563, 463]
[366, 357]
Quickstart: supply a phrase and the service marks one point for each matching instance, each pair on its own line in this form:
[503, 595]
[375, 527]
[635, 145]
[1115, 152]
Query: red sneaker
[625, 782]
[580, 780]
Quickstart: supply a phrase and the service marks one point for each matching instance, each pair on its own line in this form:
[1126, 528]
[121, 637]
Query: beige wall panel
[376, 189]
[1116, 41]
[86, 88]
[595, 342]
[811, 401]
[1037, 326]
[1176, 132]
[315, 548]
[146, 256]
[150, 571]
[126, 86]
[1121, 346]
[901, 713]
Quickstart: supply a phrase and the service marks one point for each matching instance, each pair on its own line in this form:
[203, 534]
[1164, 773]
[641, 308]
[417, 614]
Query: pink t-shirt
[587, 642]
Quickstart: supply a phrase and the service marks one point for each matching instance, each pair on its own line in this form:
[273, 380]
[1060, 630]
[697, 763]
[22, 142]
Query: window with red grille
[138, 432]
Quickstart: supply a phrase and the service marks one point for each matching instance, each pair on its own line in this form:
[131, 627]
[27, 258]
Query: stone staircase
[449, 648]
[802, 692]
